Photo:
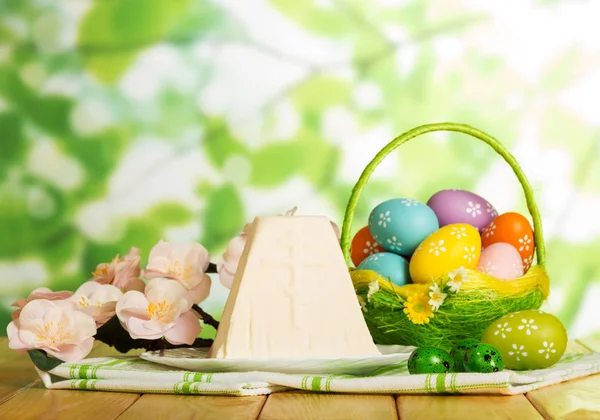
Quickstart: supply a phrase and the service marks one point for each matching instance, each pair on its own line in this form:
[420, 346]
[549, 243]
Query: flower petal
[185, 330]
[131, 304]
[202, 290]
[15, 343]
[72, 353]
[139, 329]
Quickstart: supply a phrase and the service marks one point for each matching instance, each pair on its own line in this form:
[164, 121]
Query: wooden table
[22, 396]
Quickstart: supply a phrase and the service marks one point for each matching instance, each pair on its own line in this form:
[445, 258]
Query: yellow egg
[447, 249]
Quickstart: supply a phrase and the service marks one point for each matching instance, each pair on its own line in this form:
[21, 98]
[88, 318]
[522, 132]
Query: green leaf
[12, 144]
[13, 89]
[170, 214]
[310, 16]
[223, 217]
[108, 68]
[52, 113]
[320, 92]
[321, 160]
[113, 32]
[42, 361]
[276, 163]
[200, 16]
[219, 144]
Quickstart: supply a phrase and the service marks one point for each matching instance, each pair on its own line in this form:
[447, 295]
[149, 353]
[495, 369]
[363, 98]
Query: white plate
[195, 360]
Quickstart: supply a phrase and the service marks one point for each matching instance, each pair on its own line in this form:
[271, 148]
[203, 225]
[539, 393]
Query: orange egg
[514, 229]
[363, 245]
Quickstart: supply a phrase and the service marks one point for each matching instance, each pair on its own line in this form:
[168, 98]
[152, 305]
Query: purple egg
[460, 206]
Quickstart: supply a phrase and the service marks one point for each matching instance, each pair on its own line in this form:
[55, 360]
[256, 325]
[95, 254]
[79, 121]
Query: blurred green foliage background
[126, 121]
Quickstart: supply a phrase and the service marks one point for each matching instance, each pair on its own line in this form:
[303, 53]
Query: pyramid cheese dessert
[292, 296]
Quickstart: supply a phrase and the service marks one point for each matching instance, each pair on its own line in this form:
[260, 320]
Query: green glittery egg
[459, 350]
[483, 358]
[430, 360]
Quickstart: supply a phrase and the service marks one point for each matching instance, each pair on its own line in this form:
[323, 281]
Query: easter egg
[502, 261]
[445, 250]
[483, 358]
[527, 339]
[460, 206]
[429, 360]
[511, 228]
[388, 265]
[363, 245]
[400, 225]
[459, 350]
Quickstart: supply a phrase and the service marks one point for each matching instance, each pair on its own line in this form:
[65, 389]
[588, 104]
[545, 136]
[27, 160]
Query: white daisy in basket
[457, 277]
[436, 297]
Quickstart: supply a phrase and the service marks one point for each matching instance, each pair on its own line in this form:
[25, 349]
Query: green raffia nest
[481, 300]
[465, 314]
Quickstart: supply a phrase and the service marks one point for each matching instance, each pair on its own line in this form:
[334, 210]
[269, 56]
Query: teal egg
[387, 265]
[430, 360]
[401, 224]
[459, 350]
[483, 358]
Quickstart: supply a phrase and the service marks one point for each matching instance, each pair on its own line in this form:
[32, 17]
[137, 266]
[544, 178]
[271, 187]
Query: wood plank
[576, 399]
[15, 377]
[464, 407]
[592, 343]
[38, 403]
[576, 347]
[300, 405]
[16, 371]
[7, 354]
[18, 374]
[195, 407]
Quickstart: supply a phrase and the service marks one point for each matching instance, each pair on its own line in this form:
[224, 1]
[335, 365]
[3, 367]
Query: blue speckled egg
[401, 224]
[387, 265]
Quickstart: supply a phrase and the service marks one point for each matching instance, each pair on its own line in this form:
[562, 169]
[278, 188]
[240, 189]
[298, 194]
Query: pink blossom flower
[231, 258]
[185, 263]
[164, 310]
[57, 327]
[39, 293]
[97, 300]
[122, 273]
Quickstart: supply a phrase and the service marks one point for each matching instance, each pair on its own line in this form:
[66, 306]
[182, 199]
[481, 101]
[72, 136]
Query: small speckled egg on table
[388, 265]
[527, 339]
[400, 224]
[460, 206]
[459, 350]
[483, 358]
[430, 360]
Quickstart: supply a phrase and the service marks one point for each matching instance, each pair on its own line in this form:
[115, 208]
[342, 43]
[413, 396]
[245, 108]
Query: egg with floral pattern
[401, 224]
[511, 228]
[527, 339]
[389, 266]
[363, 245]
[460, 206]
[447, 249]
[502, 261]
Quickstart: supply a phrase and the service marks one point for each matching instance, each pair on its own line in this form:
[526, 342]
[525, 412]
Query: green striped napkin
[131, 374]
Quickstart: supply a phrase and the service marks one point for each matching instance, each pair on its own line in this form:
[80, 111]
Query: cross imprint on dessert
[293, 241]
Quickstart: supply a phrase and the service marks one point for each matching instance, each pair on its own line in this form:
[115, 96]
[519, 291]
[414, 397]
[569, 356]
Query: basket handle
[447, 126]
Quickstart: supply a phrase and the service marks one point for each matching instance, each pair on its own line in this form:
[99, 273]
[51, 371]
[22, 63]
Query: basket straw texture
[481, 300]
